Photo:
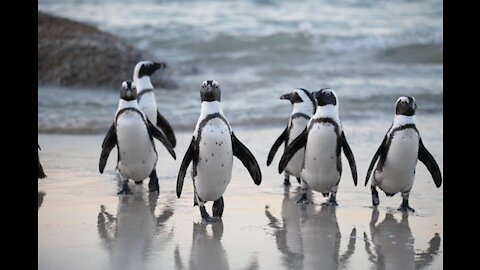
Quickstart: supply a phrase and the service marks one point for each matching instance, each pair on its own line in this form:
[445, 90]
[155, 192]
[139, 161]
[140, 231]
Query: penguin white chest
[137, 153]
[399, 169]
[214, 168]
[149, 106]
[320, 169]
[294, 166]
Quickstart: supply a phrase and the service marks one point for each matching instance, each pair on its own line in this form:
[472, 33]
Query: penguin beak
[157, 65]
[286, 96]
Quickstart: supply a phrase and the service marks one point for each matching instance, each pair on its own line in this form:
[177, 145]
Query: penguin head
[325, 96]
[405, 105]
[128, 91]
[146, 68]
[210, 91]
[299, 96]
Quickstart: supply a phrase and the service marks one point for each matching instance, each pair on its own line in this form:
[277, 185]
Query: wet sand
[83, 224]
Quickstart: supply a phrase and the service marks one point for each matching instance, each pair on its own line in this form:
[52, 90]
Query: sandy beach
[83, 224]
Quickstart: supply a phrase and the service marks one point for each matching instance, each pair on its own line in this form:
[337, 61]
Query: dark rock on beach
[74, 54]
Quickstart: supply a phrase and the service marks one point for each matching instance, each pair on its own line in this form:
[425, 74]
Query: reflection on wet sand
[128, 236]
[394, 244]
[207, 251]
[309, 239]
[41, 194]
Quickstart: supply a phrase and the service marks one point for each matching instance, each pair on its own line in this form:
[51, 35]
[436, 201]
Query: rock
[74, 54]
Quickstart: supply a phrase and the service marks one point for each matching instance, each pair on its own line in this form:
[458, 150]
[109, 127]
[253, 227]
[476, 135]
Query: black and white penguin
[323, 140]
[41, 173]
[147, 103]
[133, 134]
[397, 156]
[304, 107]
[211, 149]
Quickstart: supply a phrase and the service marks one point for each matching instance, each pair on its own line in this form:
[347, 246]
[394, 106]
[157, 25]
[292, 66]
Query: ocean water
[370, 52]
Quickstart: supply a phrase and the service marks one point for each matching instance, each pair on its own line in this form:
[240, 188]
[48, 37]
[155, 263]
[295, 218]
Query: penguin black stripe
[325, 120]
[142, 93]
[383, 157]
[129, 109]
[204, 123]
[300, 115]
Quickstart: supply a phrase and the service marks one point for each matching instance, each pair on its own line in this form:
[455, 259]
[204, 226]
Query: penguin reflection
[128, 235]
[288, 235]
[315, 242]
[394, 244]
[207, 252]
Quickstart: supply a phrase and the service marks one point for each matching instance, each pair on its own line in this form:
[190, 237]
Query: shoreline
[149, 232]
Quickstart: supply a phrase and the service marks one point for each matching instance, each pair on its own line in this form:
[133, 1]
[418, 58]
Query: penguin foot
[406, 208]
[330, 203]
[375, 198]
[153, 183]
[304, 199]
[286, 182]
[153, 186]
[206, 217]
[217, 208]
[375, 201]
[125, 190]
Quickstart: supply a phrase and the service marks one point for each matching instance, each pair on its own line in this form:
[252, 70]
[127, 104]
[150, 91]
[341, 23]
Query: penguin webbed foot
[304, 199]
[375, 198]
[330, 202]
[125, 190]
[406, 208]
[206, 217]
[217, 208]
[153, 183]
[286, 182]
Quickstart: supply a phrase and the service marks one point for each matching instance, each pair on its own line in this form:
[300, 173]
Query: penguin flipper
[426, 158]
[191, 154]
[161, 137]
[248, 160]
[108, 143]
[292, 148]
[380, 150]
[349, 154]
[163, 124]
[282, 138]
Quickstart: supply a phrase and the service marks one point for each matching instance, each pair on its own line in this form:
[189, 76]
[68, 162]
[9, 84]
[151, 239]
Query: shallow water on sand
[83, 224]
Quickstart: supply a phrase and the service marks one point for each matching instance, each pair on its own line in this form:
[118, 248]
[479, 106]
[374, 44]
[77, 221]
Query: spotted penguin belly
[137, 154]
[214, 168]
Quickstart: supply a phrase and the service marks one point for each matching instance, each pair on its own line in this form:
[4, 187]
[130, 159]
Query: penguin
[211, 149]
[323, 140]
[397, 156]
[304, 107]
[133, 135]
[147, 103]
[41, 173]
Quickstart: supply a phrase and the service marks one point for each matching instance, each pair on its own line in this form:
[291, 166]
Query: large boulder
[76, 54]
